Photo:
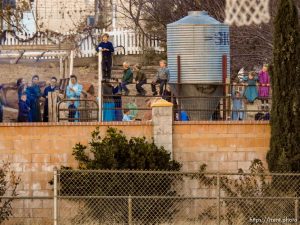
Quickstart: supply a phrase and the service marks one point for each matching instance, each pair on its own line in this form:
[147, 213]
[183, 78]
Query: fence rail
[126, 42]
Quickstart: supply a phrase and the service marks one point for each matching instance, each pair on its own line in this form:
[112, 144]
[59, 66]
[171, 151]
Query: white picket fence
[127, 42]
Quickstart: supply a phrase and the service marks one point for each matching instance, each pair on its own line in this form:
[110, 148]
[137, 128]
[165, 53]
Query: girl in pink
[264, 87]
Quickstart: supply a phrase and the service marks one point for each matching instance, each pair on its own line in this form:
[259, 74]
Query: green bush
[116, 152]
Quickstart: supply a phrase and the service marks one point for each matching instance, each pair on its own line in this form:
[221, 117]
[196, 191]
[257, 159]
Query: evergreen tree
[284, 154]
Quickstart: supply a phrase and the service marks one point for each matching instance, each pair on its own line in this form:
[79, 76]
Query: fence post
[224, 78]
[129, 210]
[296, 208]
[71, 62]
[100, 84]
[218, 199]
[55, 209]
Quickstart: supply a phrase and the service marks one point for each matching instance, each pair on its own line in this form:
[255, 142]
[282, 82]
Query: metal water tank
[201, 41]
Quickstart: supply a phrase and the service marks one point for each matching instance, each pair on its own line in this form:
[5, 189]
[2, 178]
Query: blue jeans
[124, 86]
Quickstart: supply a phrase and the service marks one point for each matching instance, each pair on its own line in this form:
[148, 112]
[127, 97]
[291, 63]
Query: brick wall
[223, 146]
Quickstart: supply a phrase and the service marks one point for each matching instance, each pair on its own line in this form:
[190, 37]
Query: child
[251, 90]
[126, 117]
[107, 49]
[140, 79]
[162, 78]
[264, 86]
[237, 104]
[23, 109]
[72, 111]
[127, 77]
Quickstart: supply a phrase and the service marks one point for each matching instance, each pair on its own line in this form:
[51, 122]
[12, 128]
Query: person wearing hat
[140, 79]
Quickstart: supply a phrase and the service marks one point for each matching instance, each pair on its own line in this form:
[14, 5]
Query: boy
[127, 77]
[23, 109]
[237, 104]
[162, 78]
[126, 117]
[107, 49]
[72, 110]
[140, 79]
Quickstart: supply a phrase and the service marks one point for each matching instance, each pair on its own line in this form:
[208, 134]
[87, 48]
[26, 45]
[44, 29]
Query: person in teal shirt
[73, 92]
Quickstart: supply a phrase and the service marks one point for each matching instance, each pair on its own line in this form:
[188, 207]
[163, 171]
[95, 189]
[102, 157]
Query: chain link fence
[139, 197]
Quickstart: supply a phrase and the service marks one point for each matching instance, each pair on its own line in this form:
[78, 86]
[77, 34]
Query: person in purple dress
[264, 87]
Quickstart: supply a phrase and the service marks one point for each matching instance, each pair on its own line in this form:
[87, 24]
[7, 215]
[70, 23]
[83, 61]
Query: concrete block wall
[223, 146]
[35, 149]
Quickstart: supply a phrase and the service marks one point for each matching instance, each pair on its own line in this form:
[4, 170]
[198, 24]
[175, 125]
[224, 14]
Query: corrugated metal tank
[200, 41]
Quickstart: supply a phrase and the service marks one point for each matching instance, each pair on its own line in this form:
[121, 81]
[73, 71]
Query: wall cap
[162, 103]
[246, 122]
[58, 124]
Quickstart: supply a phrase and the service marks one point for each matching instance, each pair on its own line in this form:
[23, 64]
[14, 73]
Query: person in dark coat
[21, 85]
[49, 89]
[33, 93]
[127, 78]
[107, 49]
[24, 109]
[140, 79]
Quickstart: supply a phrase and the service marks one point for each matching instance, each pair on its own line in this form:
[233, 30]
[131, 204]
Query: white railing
[127, 42]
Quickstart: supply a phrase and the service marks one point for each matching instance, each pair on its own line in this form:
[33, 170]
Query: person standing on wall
[49, 89]
[107, 49]
[162, 78]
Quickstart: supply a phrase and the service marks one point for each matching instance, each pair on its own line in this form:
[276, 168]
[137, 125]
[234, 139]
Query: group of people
[256, 87]
[130, 75]
[30, 96]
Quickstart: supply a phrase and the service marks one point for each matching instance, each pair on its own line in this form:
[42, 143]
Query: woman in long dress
[264, 87]
[251, 91]
[73, 92]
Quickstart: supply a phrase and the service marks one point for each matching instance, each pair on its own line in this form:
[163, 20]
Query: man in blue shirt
[107, 49]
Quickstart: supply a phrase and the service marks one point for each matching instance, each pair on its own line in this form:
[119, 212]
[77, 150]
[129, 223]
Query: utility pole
[114, 14]
[97, 12]
[1, 12]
